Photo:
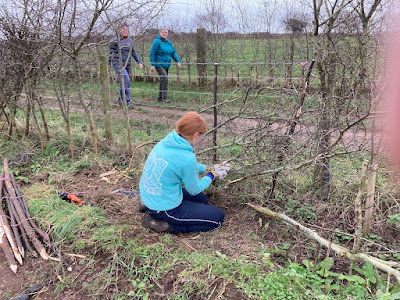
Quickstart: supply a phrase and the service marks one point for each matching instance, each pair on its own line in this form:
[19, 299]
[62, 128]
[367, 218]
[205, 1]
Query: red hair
[189, 124]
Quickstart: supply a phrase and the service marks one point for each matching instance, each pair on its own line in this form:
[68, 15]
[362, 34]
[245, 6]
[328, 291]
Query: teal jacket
[161, 52]
[170, 164]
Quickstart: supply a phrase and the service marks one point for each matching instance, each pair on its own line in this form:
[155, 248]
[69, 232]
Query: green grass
[65, 219]
[145, 264]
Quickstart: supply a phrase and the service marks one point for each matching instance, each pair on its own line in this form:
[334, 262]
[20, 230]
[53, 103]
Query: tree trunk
[70, 140]
[92, 125]
[201, 56]
[28, 111]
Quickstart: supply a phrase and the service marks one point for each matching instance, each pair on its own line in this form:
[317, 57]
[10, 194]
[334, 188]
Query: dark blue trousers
[127, 84]
[194, 214]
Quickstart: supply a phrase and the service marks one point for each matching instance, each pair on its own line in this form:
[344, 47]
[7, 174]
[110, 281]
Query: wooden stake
[7, 251]
[29, 230]
[21, 228]
[6, 228]
[14, 227]
[369, 203]
[26, 210]
[358, 210]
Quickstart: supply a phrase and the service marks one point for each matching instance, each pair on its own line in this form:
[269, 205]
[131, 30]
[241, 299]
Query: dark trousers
[194, 214]
[163, 93]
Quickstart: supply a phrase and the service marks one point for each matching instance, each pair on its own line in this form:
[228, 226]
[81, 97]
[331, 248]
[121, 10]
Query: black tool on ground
[129, 193]
[133, 193]
[71, 198]
[32, 291]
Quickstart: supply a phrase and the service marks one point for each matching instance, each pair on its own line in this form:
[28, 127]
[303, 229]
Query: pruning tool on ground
[72, 199]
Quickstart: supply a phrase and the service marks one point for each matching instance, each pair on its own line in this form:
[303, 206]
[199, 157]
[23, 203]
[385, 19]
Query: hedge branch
[340, 250]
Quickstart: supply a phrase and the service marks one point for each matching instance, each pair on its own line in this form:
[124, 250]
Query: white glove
[222, 169]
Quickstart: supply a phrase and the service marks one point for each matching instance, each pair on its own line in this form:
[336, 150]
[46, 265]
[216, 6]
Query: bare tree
[27, 51]
[212, 16]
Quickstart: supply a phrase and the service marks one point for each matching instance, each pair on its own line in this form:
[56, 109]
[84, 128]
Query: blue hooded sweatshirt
[170, 164]
[161, 52]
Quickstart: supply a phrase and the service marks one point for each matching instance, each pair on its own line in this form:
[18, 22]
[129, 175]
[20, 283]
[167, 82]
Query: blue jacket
[127, 49]
[170, 164]
[161, 52]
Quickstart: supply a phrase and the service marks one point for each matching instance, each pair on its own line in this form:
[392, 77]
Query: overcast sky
[241, 15]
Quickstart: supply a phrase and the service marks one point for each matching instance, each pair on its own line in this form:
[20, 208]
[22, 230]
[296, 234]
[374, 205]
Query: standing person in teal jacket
[171, 164]
[161, 53]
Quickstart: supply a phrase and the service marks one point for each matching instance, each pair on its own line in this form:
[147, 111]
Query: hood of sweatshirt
[174, 140]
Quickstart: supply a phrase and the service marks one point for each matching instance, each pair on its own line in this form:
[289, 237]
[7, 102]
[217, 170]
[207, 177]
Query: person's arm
[202, 168]
[190, 178]
[175, 57]
[135, 56]
[111, 50]
[153, 52]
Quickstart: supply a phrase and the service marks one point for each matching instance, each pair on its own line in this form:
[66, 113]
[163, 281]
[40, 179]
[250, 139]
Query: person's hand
[141, 66]
[220, 170]
[153, 68]
[179, 65]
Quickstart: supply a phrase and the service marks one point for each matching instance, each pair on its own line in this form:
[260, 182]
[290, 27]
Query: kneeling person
[171, 163]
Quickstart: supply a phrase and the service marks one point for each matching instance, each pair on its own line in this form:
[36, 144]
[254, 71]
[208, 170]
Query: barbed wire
[203, 93]
[222, 77]
[232, 63]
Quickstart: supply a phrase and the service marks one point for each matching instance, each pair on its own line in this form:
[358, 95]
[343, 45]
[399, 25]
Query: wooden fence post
[369, 203]
[201, 56]
[105, 96]
[215, 112]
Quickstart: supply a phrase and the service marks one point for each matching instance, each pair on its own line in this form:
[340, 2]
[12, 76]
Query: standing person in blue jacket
[171, 164]
[123, 46]
[161, 53]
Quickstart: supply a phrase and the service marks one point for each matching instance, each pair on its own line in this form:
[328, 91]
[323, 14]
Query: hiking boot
[156, 225]
[142, 207]
[130, 105]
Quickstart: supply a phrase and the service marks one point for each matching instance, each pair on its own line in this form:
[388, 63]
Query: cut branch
[29, 230]
[6, 228]
[340, 250]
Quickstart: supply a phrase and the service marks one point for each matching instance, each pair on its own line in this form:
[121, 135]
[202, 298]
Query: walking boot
[142, 207]
[156, 225]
